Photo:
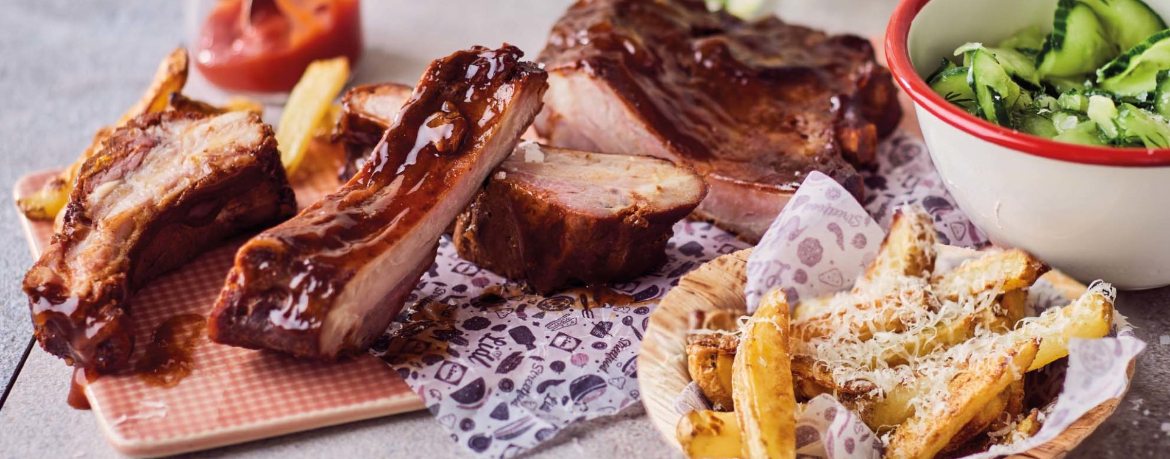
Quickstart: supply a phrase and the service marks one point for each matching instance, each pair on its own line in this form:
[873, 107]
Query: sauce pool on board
[265, 45]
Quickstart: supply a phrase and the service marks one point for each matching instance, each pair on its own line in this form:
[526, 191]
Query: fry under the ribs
[171, 76]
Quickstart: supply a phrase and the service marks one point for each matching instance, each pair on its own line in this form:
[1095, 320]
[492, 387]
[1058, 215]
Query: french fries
[925, 434]
[709, 361]
[1089, 317]
[710, 434]
[170, 78]
[1008, 270]
[908, 250]
[762, 383]
[933, 360]
[307, 105]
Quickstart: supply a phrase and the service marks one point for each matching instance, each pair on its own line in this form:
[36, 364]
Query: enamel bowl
[1092, 212]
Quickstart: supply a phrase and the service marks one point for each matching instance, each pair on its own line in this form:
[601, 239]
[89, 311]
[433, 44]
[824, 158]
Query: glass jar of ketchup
[263, 46]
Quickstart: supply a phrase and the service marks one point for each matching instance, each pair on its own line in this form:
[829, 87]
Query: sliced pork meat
[330, 280]
[549, 216]
[753, 106]
[367, 111]
[163, 189]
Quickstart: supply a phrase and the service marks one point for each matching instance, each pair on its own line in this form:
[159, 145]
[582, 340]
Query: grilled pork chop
[162, 189]
[367, 111]
[753, 106]
[330, 280]
[550, 216]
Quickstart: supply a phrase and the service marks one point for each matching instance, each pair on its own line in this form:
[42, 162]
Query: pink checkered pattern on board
[233, 395]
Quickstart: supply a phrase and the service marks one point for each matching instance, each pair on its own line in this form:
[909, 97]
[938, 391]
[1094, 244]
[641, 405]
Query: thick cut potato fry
[886, 312]
[307, 105]
[930, 341]
[1027, 427]
[1089, 317]
[170, 78]
[984, 419]
[710, 357]
[812, 378]
[908, 250]
[886, 412]
[1009, 270]
[925, 434]
[709, 434]
[812, 307]
[243, 104]
[762, 383]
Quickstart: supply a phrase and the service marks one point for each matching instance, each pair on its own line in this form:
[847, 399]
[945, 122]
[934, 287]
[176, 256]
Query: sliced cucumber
[1037, 123]
[943, 66]
[1084, 134]
[1136, 70]
[1103, 111]
[1045, 102]
[1063, 85]
[1065, 120]
[1073, 100]
[1030, 39]
[1019, 66]
[1078, 44]
[994, 89]
[952, 85]
[1139, 127]
[1128, 22]
[1162, 95]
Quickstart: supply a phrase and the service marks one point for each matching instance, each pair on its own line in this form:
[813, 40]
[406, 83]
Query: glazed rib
[330, 280]
[753, 106]
[550, 216]
[367, 111]
[162, 190]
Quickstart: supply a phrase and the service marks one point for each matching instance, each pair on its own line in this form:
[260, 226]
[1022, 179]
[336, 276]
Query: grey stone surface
[67, 67]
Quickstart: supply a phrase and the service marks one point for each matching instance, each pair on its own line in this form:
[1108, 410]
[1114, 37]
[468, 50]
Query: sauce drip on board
[81, 378]
[265, 45]
[168, 358]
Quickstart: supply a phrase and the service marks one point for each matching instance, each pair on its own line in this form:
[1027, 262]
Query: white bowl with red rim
[1092, 212]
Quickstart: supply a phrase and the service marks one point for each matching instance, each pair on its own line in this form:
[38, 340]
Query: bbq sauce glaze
[760, 101]
[167, 359]
[286, 280]
[80, 289]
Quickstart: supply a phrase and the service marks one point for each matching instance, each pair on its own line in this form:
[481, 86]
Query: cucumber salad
[1101, 77]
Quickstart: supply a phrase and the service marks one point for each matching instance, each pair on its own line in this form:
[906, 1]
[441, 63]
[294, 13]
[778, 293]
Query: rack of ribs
[367, 111]
[330, 280]
[753, 106]
[549, 217]
[161, 190]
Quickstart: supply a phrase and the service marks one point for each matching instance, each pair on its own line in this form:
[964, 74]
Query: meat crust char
[753, 106]
[329, 281]
[162, 190]
[366, 112]
[550, 216]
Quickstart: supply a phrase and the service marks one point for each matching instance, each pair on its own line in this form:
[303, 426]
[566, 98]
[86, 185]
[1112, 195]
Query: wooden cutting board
[718, 286]
[233, 395]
